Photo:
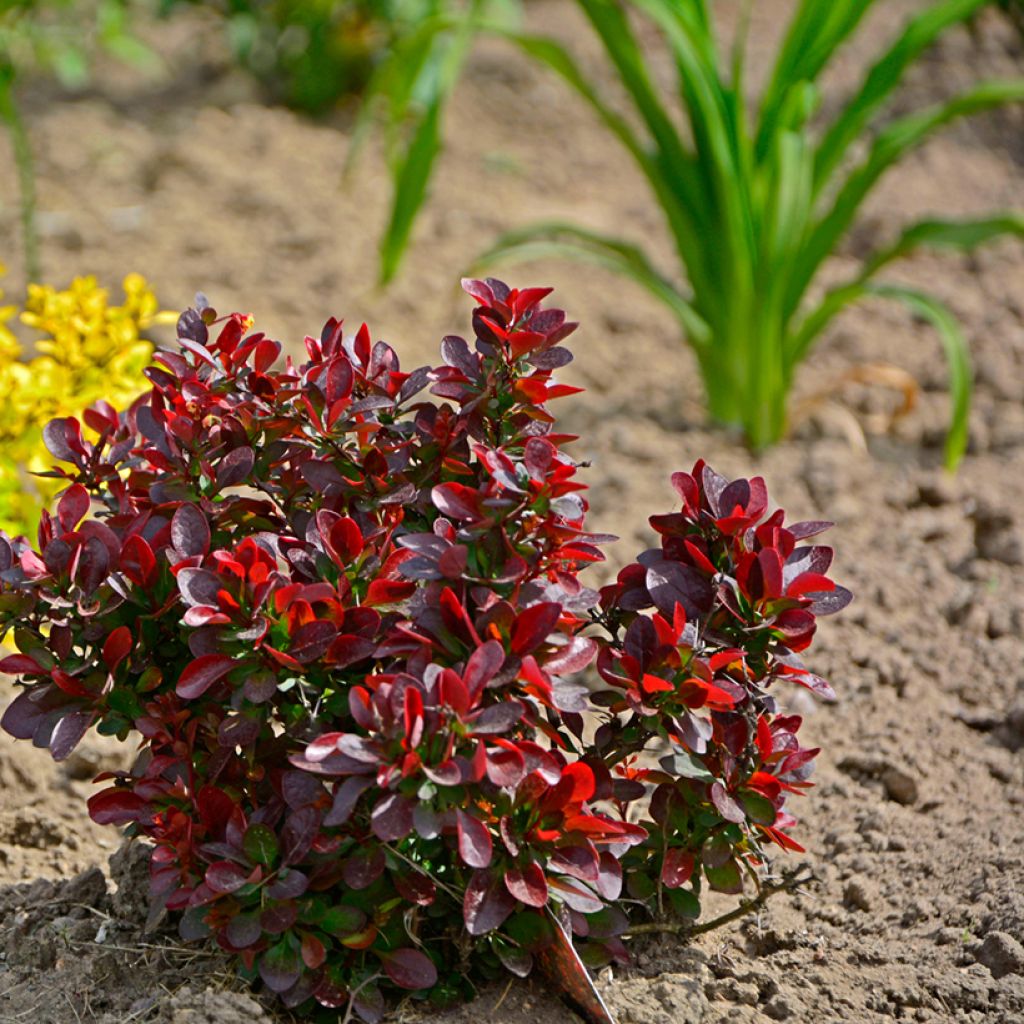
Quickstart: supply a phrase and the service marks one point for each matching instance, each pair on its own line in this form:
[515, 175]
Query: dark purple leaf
[575, 895]
[369, 1003]
[244, 930]
[609, 877]
[289, 885]
[364, 866]
[414, 886]
[224, 876]
[487, 902]
[816, 559]
[93, 565]
[238, 731]
[809, 528]
[69, 732]
[672, 583]
[199, 675]
[192, 326]
[300, 829]
[475, 846]
[55, 437]
[346, 796]
[725, 805]
[279, 916]
[280, 967]
[831, 601]
[199, 586]
[496, 719]
[528, 884]
[506, 766]
[311, 641]
[483, 665]
[190, 532]
[391, 818]
[410, 969]
[235, 467]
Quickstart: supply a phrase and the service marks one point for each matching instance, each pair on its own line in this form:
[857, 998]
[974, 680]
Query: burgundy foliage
[340, 605]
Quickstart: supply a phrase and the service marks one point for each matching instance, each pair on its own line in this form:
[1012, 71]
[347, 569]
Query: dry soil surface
[915, 830]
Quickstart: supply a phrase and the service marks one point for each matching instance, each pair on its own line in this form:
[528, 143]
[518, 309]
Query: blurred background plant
[1015, 12]
[88, 350]
[309, 54]
[59, 39]
[756, 197]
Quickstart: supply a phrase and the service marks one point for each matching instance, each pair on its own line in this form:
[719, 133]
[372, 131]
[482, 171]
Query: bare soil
[916, 828]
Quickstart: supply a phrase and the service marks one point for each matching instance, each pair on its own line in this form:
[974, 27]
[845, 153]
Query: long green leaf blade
[883, 78]
[672, 184]
[897, 139]
[410, 189]
[569, 241]
[815, 32]
[964, 235]
[958, 359]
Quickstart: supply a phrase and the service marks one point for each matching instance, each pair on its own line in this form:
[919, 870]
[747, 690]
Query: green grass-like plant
[756, 197]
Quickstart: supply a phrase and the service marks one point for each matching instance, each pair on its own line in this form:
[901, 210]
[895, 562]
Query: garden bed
[914, 830]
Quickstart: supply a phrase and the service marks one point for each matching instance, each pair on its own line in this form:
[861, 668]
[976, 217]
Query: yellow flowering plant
[89, 350]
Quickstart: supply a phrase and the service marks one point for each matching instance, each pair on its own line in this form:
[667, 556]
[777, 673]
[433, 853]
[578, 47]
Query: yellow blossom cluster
[89, 349]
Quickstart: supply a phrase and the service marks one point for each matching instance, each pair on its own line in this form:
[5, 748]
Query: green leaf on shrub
[260, 844]
[726, 878]
[760, 809]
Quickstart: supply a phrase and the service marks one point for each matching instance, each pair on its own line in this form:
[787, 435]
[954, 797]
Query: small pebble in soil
[856, 896]
[1001, 953]
[899, 786]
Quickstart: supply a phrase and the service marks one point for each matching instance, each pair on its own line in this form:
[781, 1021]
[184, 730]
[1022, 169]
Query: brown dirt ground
[915, 830]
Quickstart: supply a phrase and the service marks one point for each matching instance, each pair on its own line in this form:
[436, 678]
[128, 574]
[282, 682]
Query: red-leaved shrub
[346, 623]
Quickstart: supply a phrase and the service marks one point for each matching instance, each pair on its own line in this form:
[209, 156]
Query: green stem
[790, 882]
[26, 173]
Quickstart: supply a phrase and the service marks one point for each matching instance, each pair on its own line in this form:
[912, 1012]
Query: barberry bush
[339, 604]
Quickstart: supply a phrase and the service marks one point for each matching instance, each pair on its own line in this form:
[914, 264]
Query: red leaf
[70, 684]
[528, 884]
[414, 886]
[117, 647]
[475, 846]
[21, 665]
[677, 867]
[410, 969]
[314, 953]
[388, 592]
[201, 674]
[457, 501]
[117, 807]
[483, 665]
[72, 507]
[534, 626]
[346, 539]
[137, 561]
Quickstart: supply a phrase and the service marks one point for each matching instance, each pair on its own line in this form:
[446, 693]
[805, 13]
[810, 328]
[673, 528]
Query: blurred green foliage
[756, 193]
[57, 38]
[309, 54]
